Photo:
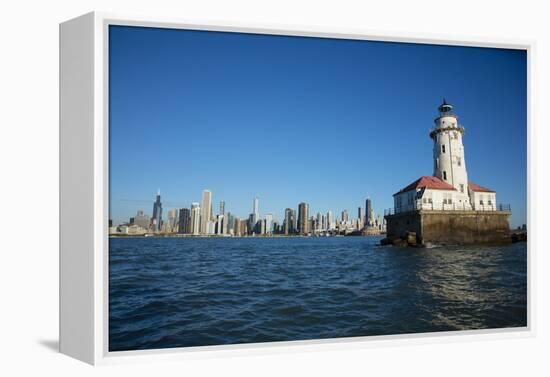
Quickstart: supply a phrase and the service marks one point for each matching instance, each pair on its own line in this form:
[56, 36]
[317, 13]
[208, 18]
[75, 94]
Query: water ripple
[177, 292]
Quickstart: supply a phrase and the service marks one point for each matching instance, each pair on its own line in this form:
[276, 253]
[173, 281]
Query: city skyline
[245, 119]
[298, 220]
[216, 205]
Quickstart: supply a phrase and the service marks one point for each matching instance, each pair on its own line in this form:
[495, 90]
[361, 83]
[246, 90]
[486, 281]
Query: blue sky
[293, 119]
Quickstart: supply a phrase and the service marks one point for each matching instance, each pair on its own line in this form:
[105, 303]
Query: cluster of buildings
[200, 220]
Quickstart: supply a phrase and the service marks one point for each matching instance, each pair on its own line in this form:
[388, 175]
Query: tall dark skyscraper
[184, 221]
[157, 213]
[303, 221]
[368, 212]
[251, 226]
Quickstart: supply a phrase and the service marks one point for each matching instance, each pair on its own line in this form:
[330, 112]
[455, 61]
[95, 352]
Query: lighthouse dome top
[445, 108]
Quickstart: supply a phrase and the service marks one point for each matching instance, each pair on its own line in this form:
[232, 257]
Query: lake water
[178, 292]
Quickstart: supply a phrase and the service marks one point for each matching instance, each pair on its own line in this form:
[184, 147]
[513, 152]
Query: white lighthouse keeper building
[448, 188]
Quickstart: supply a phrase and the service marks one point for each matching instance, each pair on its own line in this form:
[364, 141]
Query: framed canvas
[232, 188]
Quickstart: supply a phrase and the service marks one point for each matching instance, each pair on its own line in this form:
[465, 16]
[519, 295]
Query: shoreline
[229, 236]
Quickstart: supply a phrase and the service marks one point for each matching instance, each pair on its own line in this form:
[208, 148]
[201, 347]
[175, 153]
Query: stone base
[450, 227]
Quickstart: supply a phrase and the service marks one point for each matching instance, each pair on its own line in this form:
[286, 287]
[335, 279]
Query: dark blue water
[178, 292]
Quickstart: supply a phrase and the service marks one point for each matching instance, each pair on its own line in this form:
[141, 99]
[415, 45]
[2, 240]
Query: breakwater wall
[450, 227]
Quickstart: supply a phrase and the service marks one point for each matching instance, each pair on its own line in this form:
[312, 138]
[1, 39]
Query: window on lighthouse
[445, 175]
[443, 148]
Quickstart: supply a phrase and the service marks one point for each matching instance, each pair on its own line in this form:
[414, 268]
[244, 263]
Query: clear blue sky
[293, 119]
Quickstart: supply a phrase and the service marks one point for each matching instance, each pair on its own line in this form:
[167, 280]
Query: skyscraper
[195, 218]
[220, 224]
[303, 218]
[142, 220]
[206, 211]
[345, 216]
[236, 226]
[229, 223]
[369, 215]
[211, 227]
[290, 221]
[156, 220]
[276, 227]
[222, 208]
[311, 224]
[251, 223]
[360, 214]
[330, 220]
[268, 223]
[256, 208]
[184, 221]
[254, 218]
[243, 227]
[172, 220]
[262, 227]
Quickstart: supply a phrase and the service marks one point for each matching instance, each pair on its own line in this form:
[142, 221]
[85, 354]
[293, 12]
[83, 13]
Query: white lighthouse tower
[448, 189]
[448, 153]
[445, 207]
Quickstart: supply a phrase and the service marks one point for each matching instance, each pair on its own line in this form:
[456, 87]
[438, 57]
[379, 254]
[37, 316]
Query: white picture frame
[84, 173]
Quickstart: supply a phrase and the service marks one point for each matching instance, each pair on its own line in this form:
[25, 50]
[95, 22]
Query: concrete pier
[450, 227]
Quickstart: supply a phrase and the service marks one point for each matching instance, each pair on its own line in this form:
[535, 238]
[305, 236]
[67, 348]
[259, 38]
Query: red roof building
[428, 182]
[477, 188]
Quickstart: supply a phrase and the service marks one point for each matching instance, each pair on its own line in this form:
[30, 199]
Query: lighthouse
[448, 153]
[446, 206]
